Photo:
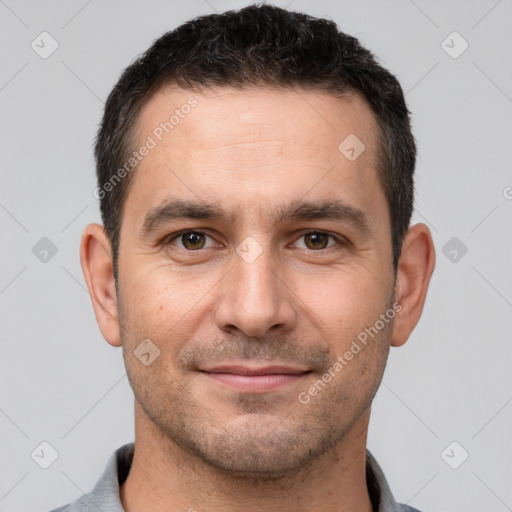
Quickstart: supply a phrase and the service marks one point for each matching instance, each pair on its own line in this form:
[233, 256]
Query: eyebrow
[175, 209]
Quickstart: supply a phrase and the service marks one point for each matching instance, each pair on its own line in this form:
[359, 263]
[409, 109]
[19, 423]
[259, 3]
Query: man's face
[250, 308]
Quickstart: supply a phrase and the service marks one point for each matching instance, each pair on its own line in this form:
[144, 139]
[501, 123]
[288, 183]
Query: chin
[259, 448]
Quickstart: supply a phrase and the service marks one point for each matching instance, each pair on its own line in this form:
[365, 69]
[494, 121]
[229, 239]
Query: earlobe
[97, 266]
[414, 271]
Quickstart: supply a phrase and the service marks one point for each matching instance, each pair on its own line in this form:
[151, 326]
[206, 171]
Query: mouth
[252, 379]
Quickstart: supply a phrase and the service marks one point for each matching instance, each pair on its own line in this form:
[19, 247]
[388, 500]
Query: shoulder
[105, 495]
[80, 505]
[76, 506]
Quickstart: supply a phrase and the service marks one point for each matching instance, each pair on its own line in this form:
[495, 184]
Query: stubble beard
[269, 440]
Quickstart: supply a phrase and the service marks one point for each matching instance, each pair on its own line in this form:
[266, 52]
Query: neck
[164, 477]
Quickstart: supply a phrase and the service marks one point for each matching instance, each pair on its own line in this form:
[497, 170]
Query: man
[255, 176]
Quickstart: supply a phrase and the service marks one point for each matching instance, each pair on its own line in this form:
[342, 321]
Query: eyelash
[168, 241]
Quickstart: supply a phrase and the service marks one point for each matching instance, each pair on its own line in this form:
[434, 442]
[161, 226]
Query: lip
[255, 379]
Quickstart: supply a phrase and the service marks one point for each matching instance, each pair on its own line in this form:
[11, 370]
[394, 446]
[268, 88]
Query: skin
[200, 443]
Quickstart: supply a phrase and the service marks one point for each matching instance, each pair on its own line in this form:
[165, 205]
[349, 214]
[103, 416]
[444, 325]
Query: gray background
[60, 381]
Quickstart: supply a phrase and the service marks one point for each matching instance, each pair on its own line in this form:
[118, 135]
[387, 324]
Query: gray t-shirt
[105, 495]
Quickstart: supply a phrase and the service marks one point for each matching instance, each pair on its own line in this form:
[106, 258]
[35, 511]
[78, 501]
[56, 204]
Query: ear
[415, 268]
[97, 266]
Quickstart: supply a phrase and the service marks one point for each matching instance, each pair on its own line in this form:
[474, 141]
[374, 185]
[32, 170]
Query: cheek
[163, 308]
[347, 300]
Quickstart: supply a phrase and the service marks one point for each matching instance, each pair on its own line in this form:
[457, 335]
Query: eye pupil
[319, 240]
[193, 240]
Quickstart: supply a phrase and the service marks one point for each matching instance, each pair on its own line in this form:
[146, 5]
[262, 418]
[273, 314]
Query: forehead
[253, 148]
[223, 114]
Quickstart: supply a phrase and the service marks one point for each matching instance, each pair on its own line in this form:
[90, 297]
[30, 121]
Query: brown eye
[193, 241]
[190, 240]
[316, 240]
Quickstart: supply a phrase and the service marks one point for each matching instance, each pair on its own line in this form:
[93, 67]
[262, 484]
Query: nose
[255, 299]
